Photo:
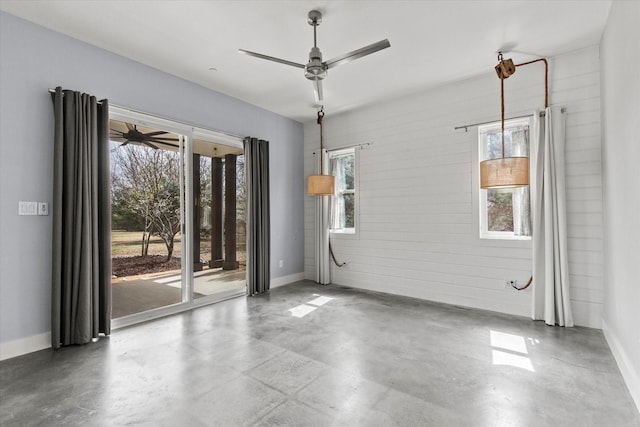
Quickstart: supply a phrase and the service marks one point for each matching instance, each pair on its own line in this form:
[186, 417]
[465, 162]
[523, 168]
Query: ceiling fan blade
[148, 144]
[317, 90]
[158, 141]
[158, 132]
[358, 53]
[155, 138]
[271, 58]
[130, 126]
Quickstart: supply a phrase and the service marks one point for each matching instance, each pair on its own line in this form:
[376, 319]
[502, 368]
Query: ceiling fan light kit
[509, 172]
[316, 69]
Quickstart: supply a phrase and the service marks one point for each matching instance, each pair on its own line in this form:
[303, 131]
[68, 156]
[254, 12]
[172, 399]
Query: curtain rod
[542, 114]
[493, 121]
[360, 146]
[233, 135]
[54, 91]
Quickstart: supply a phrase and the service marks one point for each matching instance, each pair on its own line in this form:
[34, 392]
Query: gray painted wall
[34, 59]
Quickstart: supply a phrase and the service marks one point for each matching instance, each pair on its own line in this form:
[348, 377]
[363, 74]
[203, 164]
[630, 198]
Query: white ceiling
[432, 42]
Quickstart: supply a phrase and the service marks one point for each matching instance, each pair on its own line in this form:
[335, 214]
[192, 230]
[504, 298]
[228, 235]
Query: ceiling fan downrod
[315, 69]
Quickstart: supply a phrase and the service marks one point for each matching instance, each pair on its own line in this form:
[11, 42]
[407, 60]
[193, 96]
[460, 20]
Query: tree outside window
[505, 213]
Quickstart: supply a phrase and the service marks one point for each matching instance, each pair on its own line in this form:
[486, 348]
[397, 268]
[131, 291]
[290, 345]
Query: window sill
[505, 237]
[503, 242]
[351, 231]
[343, 234]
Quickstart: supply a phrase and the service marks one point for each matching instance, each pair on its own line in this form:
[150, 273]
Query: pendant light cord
[320, 119]
[501, 75]
[502, 111]
[525, 286]
[546, 105]
[335, 261]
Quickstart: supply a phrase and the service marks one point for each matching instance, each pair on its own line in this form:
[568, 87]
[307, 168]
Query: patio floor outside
[135, 294]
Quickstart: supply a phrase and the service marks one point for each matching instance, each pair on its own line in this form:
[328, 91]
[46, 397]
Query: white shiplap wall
[417, 223]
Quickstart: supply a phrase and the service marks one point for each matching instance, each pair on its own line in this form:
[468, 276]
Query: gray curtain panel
[81, 215]
[256, 157]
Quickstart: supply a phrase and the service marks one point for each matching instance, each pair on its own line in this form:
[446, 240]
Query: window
[504, 213]
[342, 165]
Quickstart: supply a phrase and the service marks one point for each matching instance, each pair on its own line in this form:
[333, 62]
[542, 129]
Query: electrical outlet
[281, 264]
[43, 208]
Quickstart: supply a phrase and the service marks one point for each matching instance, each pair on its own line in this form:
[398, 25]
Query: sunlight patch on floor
[510, 350]
[508, 342]
[304, 309]
[320, 301]
[301, 310]
[503, 358]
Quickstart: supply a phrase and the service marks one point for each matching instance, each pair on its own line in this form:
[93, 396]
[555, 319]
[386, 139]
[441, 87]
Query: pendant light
[504, 172]
[509, 172]
[321, 185]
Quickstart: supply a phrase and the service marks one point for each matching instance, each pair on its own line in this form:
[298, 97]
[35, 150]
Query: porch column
[230, 261]
[197, 265]
[216, 213]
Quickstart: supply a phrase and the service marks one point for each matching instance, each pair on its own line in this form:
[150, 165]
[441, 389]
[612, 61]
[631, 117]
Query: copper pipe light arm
[546, 77]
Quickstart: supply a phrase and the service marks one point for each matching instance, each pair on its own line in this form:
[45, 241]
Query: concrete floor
[308, 355]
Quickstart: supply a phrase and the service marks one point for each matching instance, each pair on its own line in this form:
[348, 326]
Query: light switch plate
[27, 208]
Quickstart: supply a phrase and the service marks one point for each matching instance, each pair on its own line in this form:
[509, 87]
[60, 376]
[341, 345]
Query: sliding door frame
[187, 133]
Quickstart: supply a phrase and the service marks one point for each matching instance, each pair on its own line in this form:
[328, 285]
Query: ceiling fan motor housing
[134, 135]
[315, 69]
[314, 17]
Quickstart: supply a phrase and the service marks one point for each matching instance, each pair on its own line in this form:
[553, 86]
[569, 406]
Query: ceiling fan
[316, 69]
[134, 135]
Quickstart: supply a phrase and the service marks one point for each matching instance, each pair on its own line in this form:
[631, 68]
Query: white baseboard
[24, 345]
[285, 280]
[629, 373]
[33, 343]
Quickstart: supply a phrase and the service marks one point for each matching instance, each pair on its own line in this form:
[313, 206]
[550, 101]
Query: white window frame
[356, 204]
[484, 233]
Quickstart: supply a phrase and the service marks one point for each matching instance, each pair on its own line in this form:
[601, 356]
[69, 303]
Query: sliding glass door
[219, 249]
[147, 205]
[178, 217]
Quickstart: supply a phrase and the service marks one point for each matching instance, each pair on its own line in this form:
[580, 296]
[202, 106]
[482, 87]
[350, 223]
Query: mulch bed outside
[135, 265]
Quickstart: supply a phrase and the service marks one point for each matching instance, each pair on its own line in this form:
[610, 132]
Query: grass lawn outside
[128, 244]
